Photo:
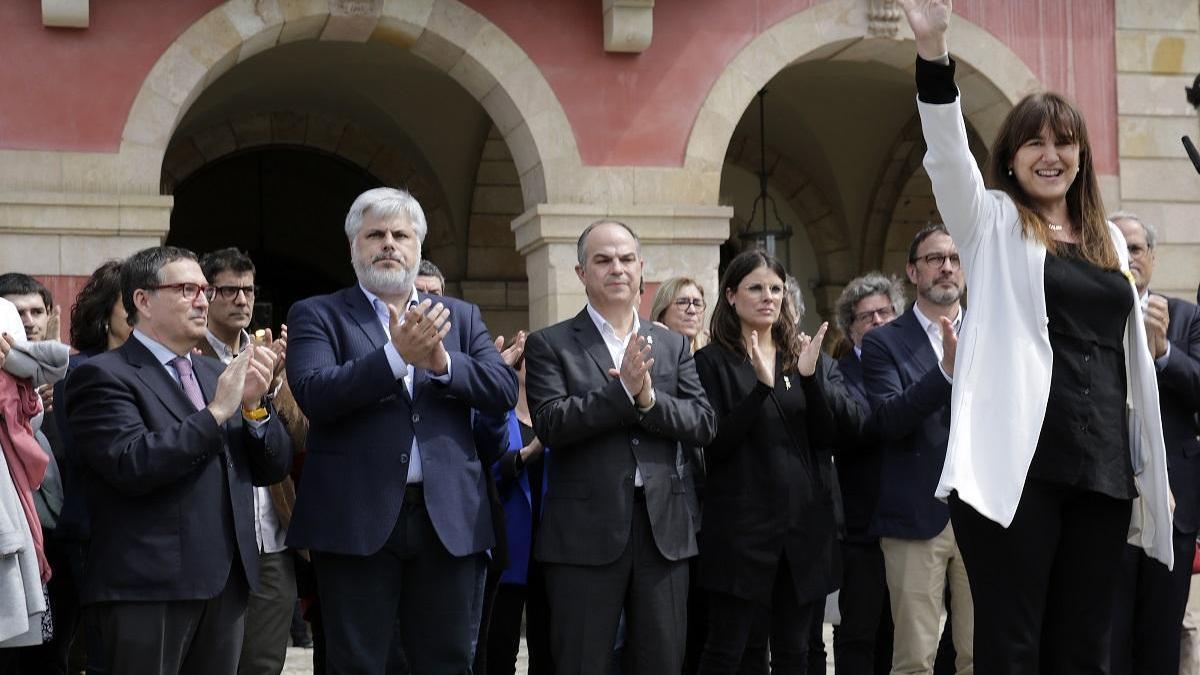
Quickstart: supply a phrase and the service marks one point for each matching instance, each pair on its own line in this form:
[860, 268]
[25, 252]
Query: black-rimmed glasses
[684, 303]
[231, 292]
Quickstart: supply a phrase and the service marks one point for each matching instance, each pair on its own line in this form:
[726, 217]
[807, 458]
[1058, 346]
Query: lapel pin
[650, 340]
[787, 383]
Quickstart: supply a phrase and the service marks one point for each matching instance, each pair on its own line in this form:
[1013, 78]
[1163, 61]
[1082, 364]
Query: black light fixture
[769, 237]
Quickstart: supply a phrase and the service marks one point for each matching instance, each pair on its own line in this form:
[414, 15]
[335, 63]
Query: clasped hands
[418, 338]
[244, 382]
[635, 371]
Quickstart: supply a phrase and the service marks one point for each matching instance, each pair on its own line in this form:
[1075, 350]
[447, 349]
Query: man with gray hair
[862, 643]
[392, 501]
[1151, 599]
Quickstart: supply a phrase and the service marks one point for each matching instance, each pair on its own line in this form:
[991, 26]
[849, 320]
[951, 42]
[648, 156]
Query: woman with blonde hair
[679, 305]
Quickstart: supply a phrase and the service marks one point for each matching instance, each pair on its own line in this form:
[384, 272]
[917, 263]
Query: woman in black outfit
[767, 547]
[1045, 454]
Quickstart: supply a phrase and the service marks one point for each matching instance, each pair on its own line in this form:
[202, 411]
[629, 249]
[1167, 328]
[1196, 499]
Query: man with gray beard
[392, 502]
[908, 366]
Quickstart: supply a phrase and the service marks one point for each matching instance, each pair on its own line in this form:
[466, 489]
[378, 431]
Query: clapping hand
[419, 338]
[763, 370]
[635, 370]
[1157, 319]
[929, 20]
[949, 345]
[810, 351]
[514, 352]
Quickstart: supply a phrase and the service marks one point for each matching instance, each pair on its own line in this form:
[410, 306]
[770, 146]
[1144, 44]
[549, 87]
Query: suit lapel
[207, 377]
[589, 338]
[916, 341]
[154, 375]
[359, 309]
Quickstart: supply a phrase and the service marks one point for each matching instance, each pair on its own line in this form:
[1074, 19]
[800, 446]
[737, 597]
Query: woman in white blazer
[1056, 453]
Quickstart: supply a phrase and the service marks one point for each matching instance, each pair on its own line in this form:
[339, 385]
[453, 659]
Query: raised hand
[419, 338]
[260, 375]
[54, 326]
[532, 450]
[763, 370]
[6, 345]
[514, 352]
[635, 370]
[810, 351]
[929, 20]
[1157, 320]
[231, 386]
[949, 345]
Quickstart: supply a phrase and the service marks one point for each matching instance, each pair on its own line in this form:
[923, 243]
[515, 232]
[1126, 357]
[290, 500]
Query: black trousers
[739, 631]
[1150, 604]
[1043, 587]
[862, 642]
[697, 613]
[414, 577]
[586, 603]
[504, 639]
[188, 637]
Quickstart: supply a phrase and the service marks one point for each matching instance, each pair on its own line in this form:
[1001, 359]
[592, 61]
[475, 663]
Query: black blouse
[1085, 435]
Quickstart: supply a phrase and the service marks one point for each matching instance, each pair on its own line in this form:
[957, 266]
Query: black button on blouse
[1085, 439]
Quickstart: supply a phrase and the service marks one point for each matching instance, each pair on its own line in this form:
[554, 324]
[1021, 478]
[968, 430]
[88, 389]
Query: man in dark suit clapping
[392, 502]
[614, 397]
[171, 446]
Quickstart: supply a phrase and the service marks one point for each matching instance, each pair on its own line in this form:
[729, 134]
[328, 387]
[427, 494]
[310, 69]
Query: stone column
[676, 240]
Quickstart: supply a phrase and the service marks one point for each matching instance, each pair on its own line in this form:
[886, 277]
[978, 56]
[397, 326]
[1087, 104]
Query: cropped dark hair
[926, 232]
[144, 270]
[225, 260]
[15, 283]
[428, 269]
[93, 305]
[726, 328]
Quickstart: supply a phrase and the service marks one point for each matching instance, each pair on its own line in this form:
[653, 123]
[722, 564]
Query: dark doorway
[286, 207]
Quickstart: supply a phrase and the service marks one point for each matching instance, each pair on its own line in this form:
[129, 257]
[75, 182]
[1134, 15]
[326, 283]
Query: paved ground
[299, 661]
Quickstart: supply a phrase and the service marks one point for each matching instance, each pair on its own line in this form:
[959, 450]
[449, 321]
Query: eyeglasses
[684, 303]
[883, 313]
[939, 259]
[189, 291]
[231, 292]
[1136, 251]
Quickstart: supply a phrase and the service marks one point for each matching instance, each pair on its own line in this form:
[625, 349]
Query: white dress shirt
[402, 370]
[616, 349]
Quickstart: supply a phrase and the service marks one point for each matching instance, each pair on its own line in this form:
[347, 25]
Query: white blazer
[1003, 363]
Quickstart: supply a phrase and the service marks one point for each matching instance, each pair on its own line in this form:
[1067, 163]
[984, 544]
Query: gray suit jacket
[599, 437]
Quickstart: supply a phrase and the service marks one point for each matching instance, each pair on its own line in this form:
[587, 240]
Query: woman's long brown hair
[725, 327]
[1084, 203]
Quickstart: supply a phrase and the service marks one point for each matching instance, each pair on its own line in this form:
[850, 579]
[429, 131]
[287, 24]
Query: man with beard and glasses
[908, 366]
[392, 502]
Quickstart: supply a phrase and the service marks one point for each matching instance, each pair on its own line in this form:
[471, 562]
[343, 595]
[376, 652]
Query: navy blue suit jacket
[910, 402]
[168, 489]
[362, 423]
[1179, 396]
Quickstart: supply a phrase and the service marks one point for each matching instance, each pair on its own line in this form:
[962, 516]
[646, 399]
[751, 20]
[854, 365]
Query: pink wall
[625, 109]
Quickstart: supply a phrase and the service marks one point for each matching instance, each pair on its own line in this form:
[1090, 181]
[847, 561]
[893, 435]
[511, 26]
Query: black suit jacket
[910, 401]
[169, 490]
[770, 487]
[599, 438]
[1179, 397]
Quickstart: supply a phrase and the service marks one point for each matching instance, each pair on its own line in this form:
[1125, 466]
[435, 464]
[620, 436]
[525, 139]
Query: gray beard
[384, 282]
[943, 297]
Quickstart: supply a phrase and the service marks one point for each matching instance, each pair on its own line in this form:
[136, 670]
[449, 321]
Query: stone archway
[454, 38]
[990, 75]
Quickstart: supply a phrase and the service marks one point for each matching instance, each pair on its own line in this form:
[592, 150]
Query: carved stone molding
[628, 25]
[65, 13]
[883, 18]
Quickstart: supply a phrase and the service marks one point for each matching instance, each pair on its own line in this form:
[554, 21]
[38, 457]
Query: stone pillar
[1158, 54]
[676, 240]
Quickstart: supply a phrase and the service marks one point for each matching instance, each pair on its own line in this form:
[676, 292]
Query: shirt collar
[380, 306]
[225, 352]
[606, 329]
[161, 352]
[926, 322]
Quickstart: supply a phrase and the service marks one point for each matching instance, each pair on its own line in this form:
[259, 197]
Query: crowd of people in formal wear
[1009, 488]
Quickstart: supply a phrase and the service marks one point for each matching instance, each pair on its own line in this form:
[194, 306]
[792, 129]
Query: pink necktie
[188, 379]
